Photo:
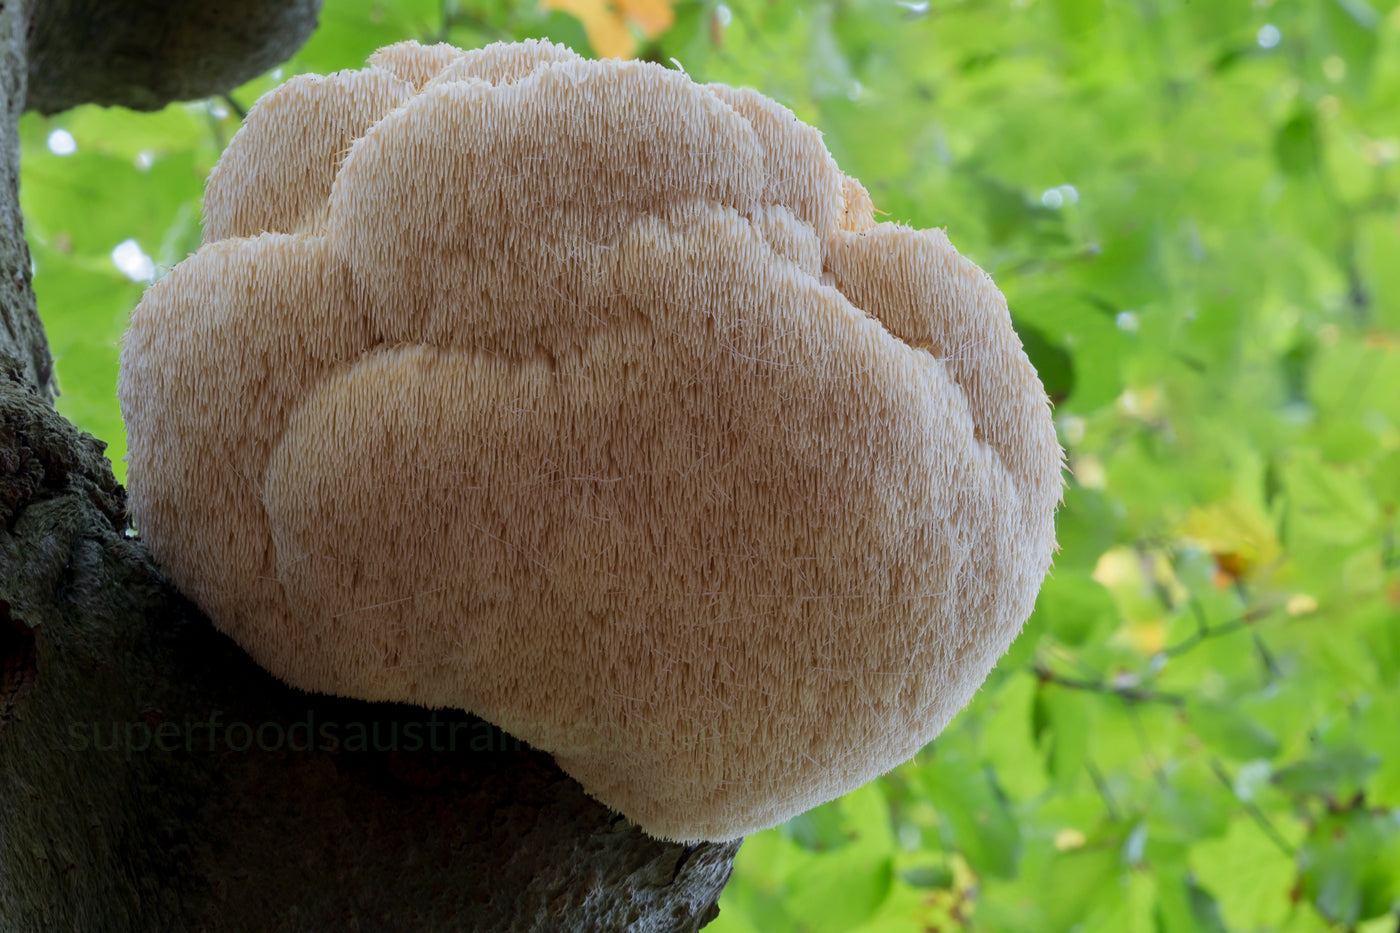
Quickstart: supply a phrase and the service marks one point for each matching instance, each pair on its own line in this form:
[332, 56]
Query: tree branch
[144, 54]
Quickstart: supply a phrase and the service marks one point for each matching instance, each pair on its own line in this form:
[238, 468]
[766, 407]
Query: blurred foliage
[1194, 209]
[615, 29]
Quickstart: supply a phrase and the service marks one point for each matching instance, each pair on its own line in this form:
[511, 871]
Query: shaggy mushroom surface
[592, 400]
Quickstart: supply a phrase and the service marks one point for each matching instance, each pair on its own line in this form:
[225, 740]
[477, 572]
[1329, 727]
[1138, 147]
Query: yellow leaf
[1067, 839]
[608, 35]
[1300, 604]
[1239, 534]
[1148, 638]
[612, 25]
[653, 17]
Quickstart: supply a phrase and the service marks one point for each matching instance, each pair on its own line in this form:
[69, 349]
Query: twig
[1252, 810]
[1266, 657]
[1205, 631]
[1152, 761]
[234, 106]
[1101, 785]
[1129, 693]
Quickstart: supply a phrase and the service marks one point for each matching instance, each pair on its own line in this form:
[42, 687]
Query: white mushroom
[593, 401]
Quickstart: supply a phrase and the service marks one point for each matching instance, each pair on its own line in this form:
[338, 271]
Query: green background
[1192, 208]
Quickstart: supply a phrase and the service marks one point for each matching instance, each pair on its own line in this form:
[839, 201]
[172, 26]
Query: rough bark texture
[21, 334]
[153, 778]
[145, 53]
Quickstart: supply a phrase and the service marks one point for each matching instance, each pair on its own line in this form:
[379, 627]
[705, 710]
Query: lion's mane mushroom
[594, 401]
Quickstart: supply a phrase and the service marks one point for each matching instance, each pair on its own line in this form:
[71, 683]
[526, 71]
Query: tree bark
[143, 54]
[151, 776]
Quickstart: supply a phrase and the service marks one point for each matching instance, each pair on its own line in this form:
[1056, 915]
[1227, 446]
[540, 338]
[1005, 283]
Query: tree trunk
[151, 776]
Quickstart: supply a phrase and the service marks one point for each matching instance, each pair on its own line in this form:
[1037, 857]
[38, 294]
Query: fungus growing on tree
[593, 401]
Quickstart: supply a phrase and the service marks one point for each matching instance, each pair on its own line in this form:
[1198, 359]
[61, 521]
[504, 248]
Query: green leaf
[1385, 479]
[1062, 718]
[1230, 731]
[1008, 743]
[1075, 607]
[1088, 524]
[867, 810]
[350, 30]
[1328, 506]
[1297, 145]
[1249, 876]
[1351, 866]
[1352, 27]
[1336, 772]
[1010, 212]
[974, 816]
[1078, 17]
[1088, 333]
[820, 829]
[935, 876]
[1075, 882]
[1376, 728]
[1183, 906]
[1193, 806]
[1053, 364]
[840, 891]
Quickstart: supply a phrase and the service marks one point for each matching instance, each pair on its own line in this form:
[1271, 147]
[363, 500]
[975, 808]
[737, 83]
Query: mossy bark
[153, 778]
